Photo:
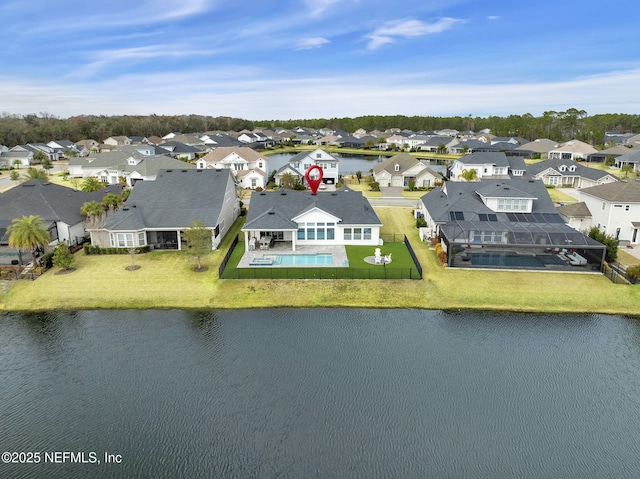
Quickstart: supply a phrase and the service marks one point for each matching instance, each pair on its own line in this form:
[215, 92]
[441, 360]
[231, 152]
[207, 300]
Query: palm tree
[29, 233]
[92, 210]
[112, 201]
[36, 174]
[92, 184]
[469, 175]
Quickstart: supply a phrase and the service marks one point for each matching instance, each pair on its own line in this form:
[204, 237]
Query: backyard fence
[225, 260]
[325, 272]
[386, 272]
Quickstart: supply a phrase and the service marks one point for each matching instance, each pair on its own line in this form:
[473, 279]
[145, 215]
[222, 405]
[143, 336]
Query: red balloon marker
[314, 184]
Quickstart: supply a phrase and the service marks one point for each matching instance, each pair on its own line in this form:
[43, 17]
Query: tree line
[555, 125]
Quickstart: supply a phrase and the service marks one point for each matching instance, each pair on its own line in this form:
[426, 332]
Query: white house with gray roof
[569, 174]
[615, 209]
[504, 224]
[402, 170]
[298, 218]
[156, 212]
[132, 165]
[494, 165]
[299, 164]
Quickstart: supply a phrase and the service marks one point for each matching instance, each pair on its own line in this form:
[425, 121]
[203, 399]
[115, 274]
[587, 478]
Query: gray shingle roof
[622, 191]
[50, 201]
[276, 210]
[580, 170]
[173, 200]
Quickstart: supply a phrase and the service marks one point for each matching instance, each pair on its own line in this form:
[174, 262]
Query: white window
[254, 182]
[142, 239]
[121, 240]
[396, 167]
[347, 234]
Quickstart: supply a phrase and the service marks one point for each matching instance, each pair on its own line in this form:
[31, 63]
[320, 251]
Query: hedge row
[91, 249]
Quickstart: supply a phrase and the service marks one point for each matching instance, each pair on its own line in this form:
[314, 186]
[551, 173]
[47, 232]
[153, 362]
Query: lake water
[349, 164]
[321, 393]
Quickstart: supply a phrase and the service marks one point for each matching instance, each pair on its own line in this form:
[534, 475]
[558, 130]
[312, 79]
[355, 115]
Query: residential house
[576, 215]
[467, 146]
[180, 151]
[117, 141]
[505, 224]
[304, 160]
[57, 205]
[538, 148]
[128, 166]
[437, 144]
[630, 158]
[488, 165]
[402, 170]
[253, 137]
[300, 218]
[571, 150]
[249, 167]
[615, 209]
[157, 212]
[609, 154]
[17, 156]
[89, 145]
[65, 148]
[569, 174]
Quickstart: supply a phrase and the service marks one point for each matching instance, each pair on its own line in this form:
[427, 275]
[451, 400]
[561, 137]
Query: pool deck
[338, 252]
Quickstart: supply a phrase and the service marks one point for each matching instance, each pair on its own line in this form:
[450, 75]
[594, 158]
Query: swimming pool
[321, 259]
[514, 260]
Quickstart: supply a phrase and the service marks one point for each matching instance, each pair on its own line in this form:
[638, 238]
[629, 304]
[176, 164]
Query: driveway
[391, 191]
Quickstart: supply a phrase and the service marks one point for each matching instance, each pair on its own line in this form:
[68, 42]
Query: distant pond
[319, 393]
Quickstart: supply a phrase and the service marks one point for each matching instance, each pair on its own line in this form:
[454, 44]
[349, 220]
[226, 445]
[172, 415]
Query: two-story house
[615, 209]
[301, 162]
[488, 165]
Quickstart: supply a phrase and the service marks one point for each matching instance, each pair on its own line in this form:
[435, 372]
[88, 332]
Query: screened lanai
[545, 236]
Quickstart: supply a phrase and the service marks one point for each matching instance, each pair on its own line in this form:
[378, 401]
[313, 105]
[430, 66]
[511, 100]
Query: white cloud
[309, 43]
[390, 31]
[223, 91]
[319, 6]
[493, 17]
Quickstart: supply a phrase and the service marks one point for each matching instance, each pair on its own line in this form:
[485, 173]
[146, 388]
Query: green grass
[166, 280]
[401, 266]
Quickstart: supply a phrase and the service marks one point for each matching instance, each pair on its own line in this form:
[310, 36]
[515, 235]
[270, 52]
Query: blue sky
[318, 58]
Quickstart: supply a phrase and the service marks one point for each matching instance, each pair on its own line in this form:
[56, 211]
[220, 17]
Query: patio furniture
[387, 258]
[377, 257]
[575, 259]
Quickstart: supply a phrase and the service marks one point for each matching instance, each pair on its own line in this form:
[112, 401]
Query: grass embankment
[166, 280]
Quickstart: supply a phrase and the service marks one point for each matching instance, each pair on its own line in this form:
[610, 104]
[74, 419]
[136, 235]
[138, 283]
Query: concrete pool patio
[338, 253]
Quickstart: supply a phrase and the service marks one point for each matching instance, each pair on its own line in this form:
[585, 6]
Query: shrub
[609, 241]
[441, 254]
[93, 249]
[421, 222]
[374, 186]
[633, 272]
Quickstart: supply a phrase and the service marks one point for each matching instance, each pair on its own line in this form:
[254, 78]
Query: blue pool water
[324, 259]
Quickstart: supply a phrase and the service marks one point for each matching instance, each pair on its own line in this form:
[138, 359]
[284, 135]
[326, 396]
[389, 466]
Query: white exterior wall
[493, 204]
[610, 217]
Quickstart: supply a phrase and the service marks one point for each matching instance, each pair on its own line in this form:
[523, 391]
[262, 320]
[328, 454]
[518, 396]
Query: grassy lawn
[558, 196]
[166, 280]
[626, 258]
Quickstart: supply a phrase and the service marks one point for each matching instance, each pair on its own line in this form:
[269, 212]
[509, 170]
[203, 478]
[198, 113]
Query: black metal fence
[387, 272]
[225, 260]
[267, 272]
[413, 255]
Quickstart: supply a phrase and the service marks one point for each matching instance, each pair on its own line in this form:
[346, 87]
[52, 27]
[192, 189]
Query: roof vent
[272, 212]
[334, 194]
[262, 193]
[184, 171]
[283, 193]
[169, 171]
[125, 209]
[199, 171]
